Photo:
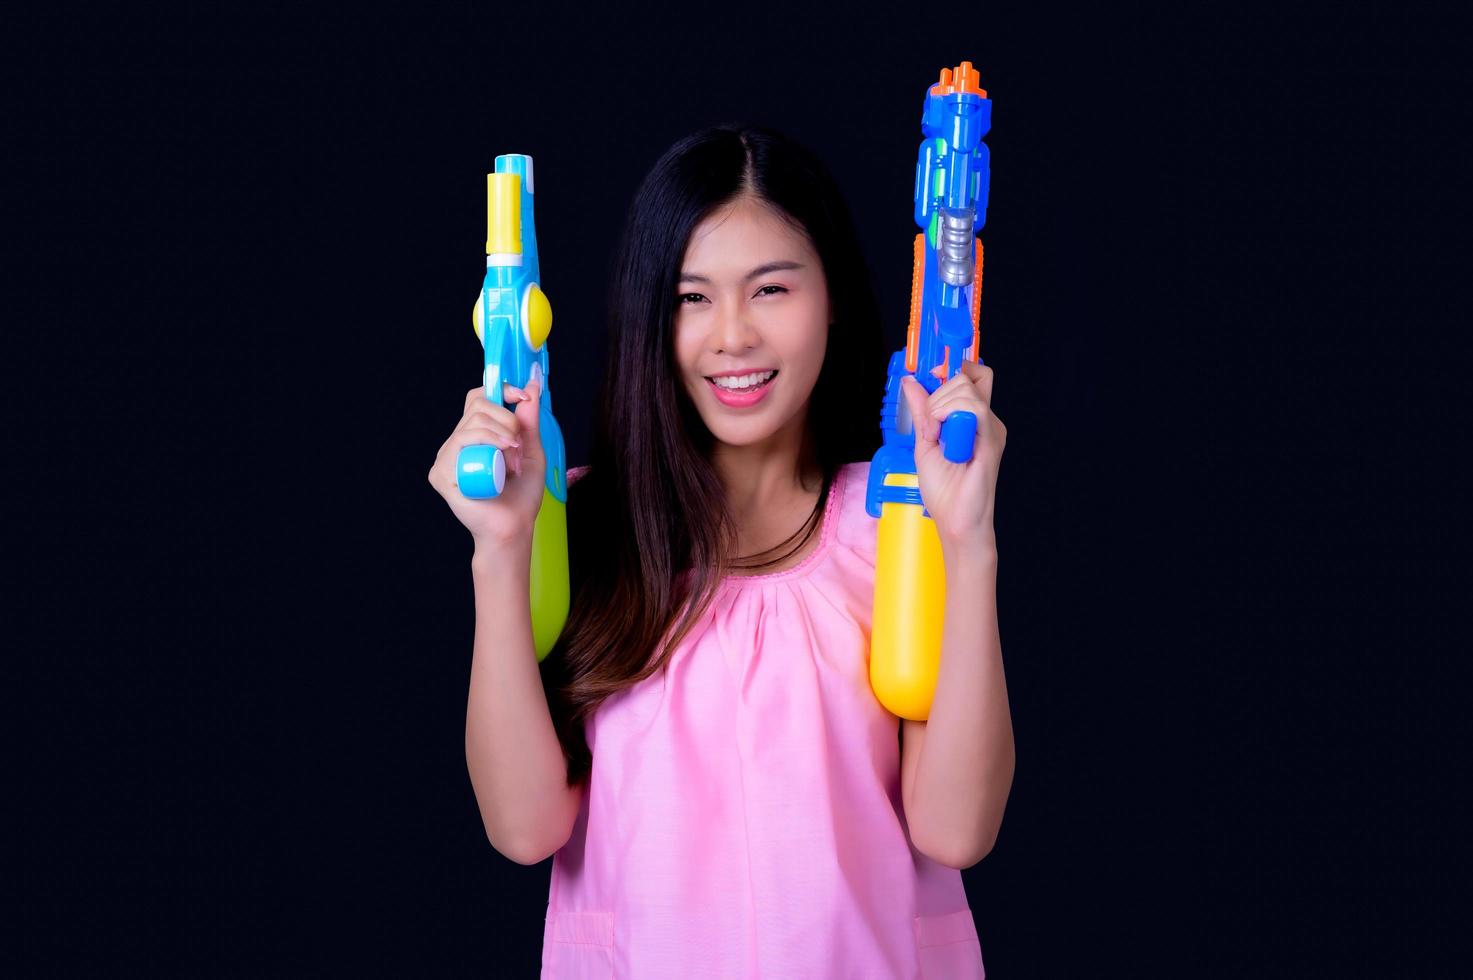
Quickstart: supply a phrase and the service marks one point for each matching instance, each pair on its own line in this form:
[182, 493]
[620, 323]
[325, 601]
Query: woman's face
[736, 311]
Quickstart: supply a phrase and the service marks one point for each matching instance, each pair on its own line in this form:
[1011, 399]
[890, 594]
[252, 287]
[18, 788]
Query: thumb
[529, 418]
[918, 400]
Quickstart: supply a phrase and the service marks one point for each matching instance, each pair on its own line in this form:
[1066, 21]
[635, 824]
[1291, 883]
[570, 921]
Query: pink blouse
[743, 817]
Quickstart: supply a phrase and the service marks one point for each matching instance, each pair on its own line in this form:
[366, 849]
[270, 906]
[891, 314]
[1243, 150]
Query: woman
[720, 790]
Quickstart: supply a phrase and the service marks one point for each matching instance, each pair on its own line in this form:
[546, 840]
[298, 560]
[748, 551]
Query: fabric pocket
[578, 946]
[948, 946]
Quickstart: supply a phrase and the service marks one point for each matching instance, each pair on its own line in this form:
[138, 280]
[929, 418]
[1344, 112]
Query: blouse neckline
[825, 537]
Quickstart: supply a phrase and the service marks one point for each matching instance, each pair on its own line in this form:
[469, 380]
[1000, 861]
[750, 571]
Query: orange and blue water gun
[512, 318]
[945, 305]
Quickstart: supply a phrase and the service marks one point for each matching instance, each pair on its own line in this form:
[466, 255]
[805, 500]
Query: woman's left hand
[958, 496]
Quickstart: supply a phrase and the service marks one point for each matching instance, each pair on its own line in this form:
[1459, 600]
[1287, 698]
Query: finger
[958, 399]
[489, 412]
[917, 400]
[510, 394]
[981, 378]
[907, 386]
[958, 380]
[529, 422]
[480, 436]
[959, 386]
[508, 430]
[974, 383]
[511, 448]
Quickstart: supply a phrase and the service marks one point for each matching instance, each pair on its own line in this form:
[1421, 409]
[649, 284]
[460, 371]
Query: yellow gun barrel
[909, 605]
[503, 214]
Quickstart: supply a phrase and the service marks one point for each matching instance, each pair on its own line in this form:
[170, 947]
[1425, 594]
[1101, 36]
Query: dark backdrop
[1172, 293]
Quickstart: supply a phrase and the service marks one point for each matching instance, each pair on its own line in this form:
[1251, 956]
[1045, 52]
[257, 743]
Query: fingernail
[516, 443]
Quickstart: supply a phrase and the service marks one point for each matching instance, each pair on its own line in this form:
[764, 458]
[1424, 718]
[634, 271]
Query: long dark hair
[651, 506]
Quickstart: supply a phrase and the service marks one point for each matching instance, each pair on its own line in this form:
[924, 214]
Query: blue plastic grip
[958, 436]
[480, 471]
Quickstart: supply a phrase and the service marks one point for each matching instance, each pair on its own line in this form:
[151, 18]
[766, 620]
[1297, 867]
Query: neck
[767, 477]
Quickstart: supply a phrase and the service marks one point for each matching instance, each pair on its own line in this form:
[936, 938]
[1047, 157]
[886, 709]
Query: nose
[732, 331]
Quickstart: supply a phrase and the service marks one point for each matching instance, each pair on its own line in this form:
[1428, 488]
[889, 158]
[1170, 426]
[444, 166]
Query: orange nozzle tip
[962, 78]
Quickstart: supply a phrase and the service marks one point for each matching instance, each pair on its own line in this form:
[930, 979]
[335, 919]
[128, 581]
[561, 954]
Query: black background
[264, 770]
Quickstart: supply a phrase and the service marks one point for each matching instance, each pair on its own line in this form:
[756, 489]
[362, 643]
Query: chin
[739, 434]
[749, 432]
[751, 429]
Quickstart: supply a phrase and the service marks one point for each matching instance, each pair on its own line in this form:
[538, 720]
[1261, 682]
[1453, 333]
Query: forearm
[965, 768]
[516, 762]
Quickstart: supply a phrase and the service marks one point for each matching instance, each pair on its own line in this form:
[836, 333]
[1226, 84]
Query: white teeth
[744, 380]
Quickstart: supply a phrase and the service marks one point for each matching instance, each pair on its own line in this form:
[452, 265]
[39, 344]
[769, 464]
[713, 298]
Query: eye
[681, 299]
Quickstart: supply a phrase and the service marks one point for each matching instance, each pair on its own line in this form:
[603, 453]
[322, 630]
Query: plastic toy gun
[945, 302]
[512, 319]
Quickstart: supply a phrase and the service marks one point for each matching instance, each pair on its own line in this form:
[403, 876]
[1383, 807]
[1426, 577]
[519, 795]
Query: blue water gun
[945, 304]
[512, 318]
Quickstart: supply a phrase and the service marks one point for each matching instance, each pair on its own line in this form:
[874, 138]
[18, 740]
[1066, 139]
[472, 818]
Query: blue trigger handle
[958, 436]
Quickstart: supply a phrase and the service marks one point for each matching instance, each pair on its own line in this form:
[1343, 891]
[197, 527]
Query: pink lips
[734, 399]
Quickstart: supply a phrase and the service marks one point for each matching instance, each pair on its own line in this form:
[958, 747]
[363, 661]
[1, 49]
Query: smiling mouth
[747, 390]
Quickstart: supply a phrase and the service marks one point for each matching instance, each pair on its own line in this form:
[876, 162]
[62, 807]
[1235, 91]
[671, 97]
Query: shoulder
[855, 473]
[856, 479]
[854, 527]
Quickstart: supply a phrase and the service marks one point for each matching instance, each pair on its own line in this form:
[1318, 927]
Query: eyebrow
[759, 271]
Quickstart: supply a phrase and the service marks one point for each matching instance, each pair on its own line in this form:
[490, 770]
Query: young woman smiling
[701, 753]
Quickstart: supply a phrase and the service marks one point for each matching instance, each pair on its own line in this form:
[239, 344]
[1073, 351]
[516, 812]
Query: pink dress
[743, 817]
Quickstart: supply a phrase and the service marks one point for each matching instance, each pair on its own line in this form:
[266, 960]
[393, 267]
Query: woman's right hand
[512, 514]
